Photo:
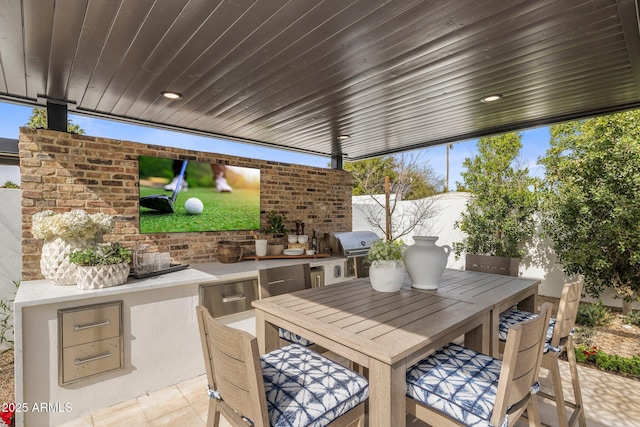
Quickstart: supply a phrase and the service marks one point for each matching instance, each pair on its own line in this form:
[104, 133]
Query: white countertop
[38, 292]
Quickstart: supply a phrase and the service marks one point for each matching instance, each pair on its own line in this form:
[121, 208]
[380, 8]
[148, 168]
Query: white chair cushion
[513, 316]
[458, 382]
[306, 389]
[293, 338]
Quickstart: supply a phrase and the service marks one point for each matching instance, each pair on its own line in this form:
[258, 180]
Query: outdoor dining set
[467, 353]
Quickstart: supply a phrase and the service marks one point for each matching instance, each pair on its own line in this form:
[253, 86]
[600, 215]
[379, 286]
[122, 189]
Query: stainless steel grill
[353, 245]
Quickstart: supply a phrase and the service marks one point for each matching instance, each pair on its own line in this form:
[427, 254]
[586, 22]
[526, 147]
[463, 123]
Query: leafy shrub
[9, 184]
[584, 335]
[593, 315]
[628, 366]
[633, 317]
[6, 319]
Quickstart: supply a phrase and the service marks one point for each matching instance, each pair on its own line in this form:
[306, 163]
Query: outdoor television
[195, 196]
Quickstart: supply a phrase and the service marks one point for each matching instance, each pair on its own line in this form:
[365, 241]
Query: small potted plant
[387, 270]
[101, 265]
[275, 224]
[275, 228]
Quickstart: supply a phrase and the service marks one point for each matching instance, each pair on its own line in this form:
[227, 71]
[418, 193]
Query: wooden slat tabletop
[387, 326]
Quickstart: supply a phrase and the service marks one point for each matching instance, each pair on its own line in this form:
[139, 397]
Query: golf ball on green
[193, 206]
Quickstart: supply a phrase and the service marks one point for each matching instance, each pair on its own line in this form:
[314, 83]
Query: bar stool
[559, 337]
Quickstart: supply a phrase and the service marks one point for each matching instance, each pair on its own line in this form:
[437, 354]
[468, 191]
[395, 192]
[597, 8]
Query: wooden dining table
[386, 332]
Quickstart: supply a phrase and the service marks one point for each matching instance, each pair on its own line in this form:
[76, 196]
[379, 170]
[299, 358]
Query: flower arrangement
[101, 254]
[385, 250]
[76, 223]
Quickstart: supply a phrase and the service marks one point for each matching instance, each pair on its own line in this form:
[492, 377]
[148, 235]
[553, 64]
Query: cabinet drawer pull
[91, 359]
[91, 325]
[232, 298]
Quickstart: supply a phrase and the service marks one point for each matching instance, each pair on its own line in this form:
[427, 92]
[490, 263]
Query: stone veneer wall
[62, 171]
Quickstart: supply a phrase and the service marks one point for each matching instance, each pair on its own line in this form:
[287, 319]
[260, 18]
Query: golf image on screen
[184, 196]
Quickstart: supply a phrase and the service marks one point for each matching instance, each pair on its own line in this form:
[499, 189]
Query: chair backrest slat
[521, 362]
[492, 264]
[281, 280]
[567, 311]
[234, 368]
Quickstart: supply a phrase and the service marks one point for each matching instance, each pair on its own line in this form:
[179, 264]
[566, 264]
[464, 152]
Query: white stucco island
[160, 338]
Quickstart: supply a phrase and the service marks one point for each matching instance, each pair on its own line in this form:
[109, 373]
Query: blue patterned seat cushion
[293, 338]
[458, 382]
[513, 316]
[306, 389]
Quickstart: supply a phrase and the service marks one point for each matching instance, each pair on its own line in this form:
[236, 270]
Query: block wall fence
[62, 171]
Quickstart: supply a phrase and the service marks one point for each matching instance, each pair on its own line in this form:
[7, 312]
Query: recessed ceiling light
[343, 137]
[171, 95]
[491, 98]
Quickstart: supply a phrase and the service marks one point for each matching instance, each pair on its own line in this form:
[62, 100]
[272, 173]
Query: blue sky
[12, 117]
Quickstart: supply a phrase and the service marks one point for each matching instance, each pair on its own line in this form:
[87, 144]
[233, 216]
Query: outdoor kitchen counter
[161, 342]
[36, 292]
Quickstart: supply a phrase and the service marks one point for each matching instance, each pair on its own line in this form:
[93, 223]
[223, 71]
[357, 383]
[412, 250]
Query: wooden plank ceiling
[394, 75]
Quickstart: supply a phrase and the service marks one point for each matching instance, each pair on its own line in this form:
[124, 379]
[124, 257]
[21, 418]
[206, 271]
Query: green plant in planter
[275, 224]
[101, 254]
[385, 250]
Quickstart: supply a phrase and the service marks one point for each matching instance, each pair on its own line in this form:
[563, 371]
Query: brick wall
[61, 171]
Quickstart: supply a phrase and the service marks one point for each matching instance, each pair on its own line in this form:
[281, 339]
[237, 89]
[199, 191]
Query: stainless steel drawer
[89, 324]
[223, 299]
[87, 360]
[90, 341]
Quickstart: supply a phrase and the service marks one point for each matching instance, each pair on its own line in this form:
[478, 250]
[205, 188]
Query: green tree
[411, 179]
[591, 208]
[500, 214]
[38, 120]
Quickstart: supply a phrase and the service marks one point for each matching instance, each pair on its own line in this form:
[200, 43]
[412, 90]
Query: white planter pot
[425, 261]
[386, 276]
[101, 276]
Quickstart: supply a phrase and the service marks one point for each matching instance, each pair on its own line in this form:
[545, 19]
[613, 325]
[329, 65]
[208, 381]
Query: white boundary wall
[10, 245]
[539, 262]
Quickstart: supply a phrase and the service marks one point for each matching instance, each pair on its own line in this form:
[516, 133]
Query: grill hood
[351, 243]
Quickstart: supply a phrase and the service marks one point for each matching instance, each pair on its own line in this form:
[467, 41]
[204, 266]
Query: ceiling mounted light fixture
[171, 95]
[491, 98]
[343, 137]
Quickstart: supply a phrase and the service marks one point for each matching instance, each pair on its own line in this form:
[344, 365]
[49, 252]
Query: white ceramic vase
[101, 276]
[386, 276]
[425, 261]
[54, 259]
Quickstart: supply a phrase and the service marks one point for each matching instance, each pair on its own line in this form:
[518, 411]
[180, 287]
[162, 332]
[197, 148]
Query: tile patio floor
[610, 401]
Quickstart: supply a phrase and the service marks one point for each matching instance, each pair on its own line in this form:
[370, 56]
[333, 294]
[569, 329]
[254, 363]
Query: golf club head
[162, 203]
[158, 203]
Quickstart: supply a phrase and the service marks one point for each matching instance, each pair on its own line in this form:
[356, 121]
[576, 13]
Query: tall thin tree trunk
[446, 185]
[387, 191]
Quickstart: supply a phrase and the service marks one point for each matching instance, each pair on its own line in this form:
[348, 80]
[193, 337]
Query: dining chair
[559, 336]
[290, 386]
[281, 280]
[459, 386]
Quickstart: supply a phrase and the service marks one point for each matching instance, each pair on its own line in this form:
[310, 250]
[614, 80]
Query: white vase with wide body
[425, 262]
[386, 276]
